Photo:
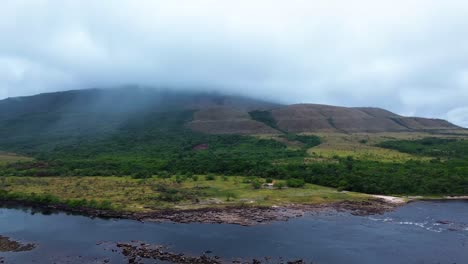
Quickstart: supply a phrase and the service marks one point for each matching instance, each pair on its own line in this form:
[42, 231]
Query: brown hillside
[315, 118]
[225, 120]
[312, 118]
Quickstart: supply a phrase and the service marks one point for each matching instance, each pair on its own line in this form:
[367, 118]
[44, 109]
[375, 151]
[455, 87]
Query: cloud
[406, 56]
[458, 116]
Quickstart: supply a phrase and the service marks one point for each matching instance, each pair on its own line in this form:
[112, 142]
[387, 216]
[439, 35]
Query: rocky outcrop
[8, 245]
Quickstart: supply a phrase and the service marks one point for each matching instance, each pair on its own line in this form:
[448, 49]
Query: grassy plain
[6, 158]
[362, 146]
[128, 194]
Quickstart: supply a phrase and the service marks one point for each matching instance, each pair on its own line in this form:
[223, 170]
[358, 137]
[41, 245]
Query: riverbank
[146, 195]
[391, 199]
[232, 200]
[239, 215]
[456, 197]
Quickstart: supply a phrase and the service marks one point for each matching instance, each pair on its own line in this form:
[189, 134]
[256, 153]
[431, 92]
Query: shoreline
[239, 215]
[244, 215]
[465, 197]
[391, 199]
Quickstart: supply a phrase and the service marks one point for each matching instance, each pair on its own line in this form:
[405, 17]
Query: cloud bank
[410, 56]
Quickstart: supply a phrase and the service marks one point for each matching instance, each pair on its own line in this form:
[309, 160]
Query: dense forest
[447, 148]
[146, 144]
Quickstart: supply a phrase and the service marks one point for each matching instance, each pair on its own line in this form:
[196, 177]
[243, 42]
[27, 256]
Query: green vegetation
[143, 145]
[129, 194]
[363, 146]
[295, 183]
[265, 117]
[434, 147]
[51, 199]
[6, 158]
[308, 141]
[210, 177]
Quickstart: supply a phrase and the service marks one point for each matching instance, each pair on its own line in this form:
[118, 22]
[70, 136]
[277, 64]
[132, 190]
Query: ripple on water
[423, 225]
[431, 226]
[432, 229]
[386, 219]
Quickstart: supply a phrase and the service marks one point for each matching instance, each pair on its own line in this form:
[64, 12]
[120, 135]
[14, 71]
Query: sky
[407, 56]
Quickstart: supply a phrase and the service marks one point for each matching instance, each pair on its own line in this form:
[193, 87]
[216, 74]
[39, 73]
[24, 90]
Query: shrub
[180, 179]
[295, 183]
[279, 185]
[256, 184]
[77, 203]
[141, 175]
[230, 196]
[104, 205]
[247, 180]
[210, 177]
[164, 175]
[172, 196]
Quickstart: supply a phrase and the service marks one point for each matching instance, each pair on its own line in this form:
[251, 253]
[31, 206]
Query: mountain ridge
[212, 113]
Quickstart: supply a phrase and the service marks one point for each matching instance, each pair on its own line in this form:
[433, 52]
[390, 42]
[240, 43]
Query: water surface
[420, 232]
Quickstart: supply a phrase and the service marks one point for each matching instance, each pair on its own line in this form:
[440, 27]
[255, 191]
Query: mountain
[316, 118]
[87, 112]
[300, 118]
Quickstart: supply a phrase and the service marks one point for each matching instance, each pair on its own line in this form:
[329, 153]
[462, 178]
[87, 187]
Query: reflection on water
[420, 232]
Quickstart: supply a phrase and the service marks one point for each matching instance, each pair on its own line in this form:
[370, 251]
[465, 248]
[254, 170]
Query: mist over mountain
[96, 113]
[409, 58]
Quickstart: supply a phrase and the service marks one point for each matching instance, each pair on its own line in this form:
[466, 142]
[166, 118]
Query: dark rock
[443, 222]
[7, 245]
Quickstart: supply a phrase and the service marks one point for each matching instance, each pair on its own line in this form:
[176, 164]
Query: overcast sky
[407, 56]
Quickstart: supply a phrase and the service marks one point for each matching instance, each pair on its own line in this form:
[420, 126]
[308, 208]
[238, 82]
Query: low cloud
[410, 57]
[459, 116]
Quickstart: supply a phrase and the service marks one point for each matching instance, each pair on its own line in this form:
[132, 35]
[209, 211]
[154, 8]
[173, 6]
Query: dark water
[409, 235]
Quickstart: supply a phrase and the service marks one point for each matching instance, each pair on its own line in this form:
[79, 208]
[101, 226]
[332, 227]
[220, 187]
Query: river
[419, 232]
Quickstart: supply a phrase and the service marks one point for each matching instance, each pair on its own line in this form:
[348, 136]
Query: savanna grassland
[137, 195]
[364, 146]
[6, 158]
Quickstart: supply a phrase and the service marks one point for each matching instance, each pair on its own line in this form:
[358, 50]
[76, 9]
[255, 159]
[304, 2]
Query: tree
[295, 183]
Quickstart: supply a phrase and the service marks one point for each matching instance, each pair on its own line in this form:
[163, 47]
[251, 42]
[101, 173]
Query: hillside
[145, 133]
[318, 118]
[100, 110]
[312, 118]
